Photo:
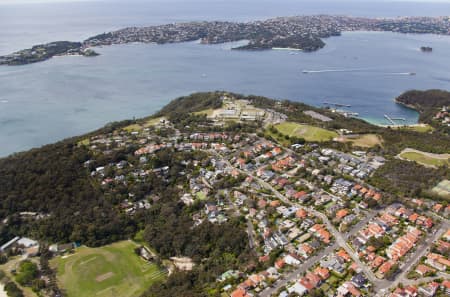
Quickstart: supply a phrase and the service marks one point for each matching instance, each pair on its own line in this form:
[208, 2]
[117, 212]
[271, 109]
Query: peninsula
[299, 32]
[221, 192]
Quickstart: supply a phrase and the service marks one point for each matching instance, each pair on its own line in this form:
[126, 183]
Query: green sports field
[309, 133]
[113, 270]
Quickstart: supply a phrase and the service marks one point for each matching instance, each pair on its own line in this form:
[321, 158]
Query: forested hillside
[53, 181]
[427, 103]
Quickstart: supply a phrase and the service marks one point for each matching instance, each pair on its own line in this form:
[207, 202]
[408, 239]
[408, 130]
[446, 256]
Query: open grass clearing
[422, 128]
[426, 159]
[308, 132]
[112, 270]
[84, 142]
[141, 125]
[133, 128]
[154, 121]
[363, 140]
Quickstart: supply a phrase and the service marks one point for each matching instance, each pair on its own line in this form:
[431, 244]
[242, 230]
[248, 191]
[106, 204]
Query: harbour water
[67, 96]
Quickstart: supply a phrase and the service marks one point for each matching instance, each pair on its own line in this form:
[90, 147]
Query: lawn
[133, 128]
[113, 270]
[424, 159]
[84, 142]
[309, 133]
[365, 140]
[146, 124]
[154, 121]
[423, 128]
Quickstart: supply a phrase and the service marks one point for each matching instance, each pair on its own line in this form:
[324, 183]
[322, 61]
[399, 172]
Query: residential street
[341, 240]
[292, 276]
[413, 258]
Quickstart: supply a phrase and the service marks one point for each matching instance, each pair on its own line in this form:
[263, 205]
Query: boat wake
[336, 70]
[367, 70]
[402, 73]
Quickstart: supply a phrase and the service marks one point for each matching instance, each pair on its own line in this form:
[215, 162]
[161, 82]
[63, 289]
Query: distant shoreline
[298, 33]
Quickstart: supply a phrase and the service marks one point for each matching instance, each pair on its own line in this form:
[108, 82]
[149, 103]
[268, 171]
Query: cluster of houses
[295, 231]
[328, 276]
[274, 225]
[130, 207]
[437, 259]
[357, 165]
[434, 206]
[397, 239]
[443, 115]
[428, 289]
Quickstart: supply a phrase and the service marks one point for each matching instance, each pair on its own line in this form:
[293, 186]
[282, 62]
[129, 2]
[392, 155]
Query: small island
[305, 33]
[426, 49]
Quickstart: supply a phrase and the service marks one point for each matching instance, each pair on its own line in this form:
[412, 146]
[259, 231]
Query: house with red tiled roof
[433, 261]
[384, 268]
[445, 286]
[299, 195]
[324, 273]
[262, 203]
[357, 187]
[443, 247]
[408, 291]
[306, 284]
[275, 203]
[314, 279]
[422, 270]
[276, 151]
[412, 218]
[343, 255]
[378, 261]
[340, 214]
[438, 207]
[301, 213]
[239, 292]
[279, 263]
[377, 197]
[388, 219]
[348, 289]
[305, 250]
[403, 244]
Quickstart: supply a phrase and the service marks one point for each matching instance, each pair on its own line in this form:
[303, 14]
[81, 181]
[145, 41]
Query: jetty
[392, 120]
